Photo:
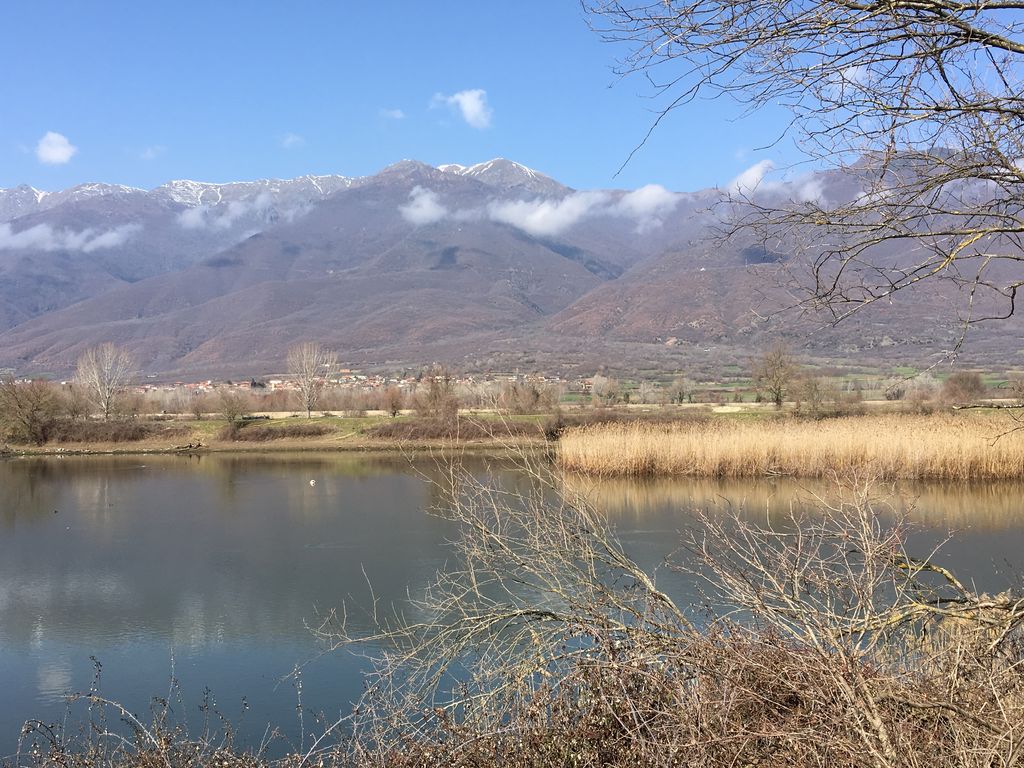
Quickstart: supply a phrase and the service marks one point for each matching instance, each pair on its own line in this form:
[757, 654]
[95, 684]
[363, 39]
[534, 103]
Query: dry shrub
[963, 387]
[946, 446]
[253, 433]
[118, 431]
[460, 428]
[557, 423]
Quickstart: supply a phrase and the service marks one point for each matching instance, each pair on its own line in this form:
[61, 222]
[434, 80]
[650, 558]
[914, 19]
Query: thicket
[249, 431]
[37, 412]
[452, 428]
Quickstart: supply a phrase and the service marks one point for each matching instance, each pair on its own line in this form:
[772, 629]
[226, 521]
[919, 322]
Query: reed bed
[892, 446]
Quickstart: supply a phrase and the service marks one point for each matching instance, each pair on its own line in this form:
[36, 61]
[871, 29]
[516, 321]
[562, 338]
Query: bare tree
[103, 373]
[391, 401]
[773, 374]
[310, 364]
[436, 397]
[920, 103]
[28, 409]
[604, 390]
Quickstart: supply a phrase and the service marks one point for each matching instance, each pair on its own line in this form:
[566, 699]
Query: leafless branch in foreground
[823, 643]
[918, 104]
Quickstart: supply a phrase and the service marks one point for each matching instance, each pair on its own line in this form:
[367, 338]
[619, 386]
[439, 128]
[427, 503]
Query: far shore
[748, 440]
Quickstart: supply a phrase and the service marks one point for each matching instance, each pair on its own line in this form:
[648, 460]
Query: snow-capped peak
[500, 164]
[508, 174]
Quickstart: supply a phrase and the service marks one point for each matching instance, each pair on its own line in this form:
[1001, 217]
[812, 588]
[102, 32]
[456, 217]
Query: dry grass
[428, 428]
[945, 446]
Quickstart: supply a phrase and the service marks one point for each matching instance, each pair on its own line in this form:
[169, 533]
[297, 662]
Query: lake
[211, 569]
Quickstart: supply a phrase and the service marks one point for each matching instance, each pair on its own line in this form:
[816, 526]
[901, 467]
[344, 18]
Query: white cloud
[808, 188]
[544, 218]
[193, 218]
[112, 238]
[750, 180]
[152, 153]
[55, 149]
[226, 216]
[471, 104]
[43, 237]
[292, 141]
[424, 207]
[392, 114]
[648, 205]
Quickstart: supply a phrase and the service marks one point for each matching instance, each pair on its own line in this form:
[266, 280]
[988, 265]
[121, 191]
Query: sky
[139, 93]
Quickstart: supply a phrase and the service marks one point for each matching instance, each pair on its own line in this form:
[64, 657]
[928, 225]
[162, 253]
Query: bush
[28, 410]
[126, 431]
[558, 422]
[451, 429]
[248, 432]
[963, 387]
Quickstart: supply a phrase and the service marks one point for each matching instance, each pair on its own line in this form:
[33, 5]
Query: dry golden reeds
[892, 446]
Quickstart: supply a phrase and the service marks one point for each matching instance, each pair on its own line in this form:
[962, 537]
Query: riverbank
[975, 445]
[369, 433]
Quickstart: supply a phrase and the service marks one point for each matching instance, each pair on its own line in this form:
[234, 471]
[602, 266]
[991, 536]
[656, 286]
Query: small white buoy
[312, 482]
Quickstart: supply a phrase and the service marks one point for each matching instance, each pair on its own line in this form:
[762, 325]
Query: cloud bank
[226, 216]
[55, 149]
[647, 207]
[424, 207]
[802, 189]
[471, 105]
[43, 237]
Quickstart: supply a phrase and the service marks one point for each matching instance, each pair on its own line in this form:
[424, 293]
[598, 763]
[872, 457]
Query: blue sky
[221, 91]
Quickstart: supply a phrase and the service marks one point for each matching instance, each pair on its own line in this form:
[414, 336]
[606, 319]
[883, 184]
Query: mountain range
[487, 266]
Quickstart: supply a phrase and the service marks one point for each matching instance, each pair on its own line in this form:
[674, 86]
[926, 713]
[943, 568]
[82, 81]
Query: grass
[893, 446]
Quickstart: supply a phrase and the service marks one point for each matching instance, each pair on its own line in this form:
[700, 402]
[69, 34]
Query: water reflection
[221, 562]
[954, 506]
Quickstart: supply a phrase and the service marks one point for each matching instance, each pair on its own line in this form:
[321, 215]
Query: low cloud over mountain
[474, 264]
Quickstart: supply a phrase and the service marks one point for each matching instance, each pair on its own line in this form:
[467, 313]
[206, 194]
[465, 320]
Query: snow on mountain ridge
[508, 174]
[196, 193]
[503, 174]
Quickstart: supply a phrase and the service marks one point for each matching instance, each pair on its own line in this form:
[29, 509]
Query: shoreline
[383, 446]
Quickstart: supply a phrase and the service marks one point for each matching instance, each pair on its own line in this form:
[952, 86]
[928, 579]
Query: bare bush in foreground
[824, 643]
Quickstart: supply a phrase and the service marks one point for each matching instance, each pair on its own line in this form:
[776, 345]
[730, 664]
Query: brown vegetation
[248, 432]
[892, 445]
[121, 431]
[456, 428]
[822, 643]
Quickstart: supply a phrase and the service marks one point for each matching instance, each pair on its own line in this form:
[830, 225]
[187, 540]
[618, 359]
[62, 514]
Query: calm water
[215, 566]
